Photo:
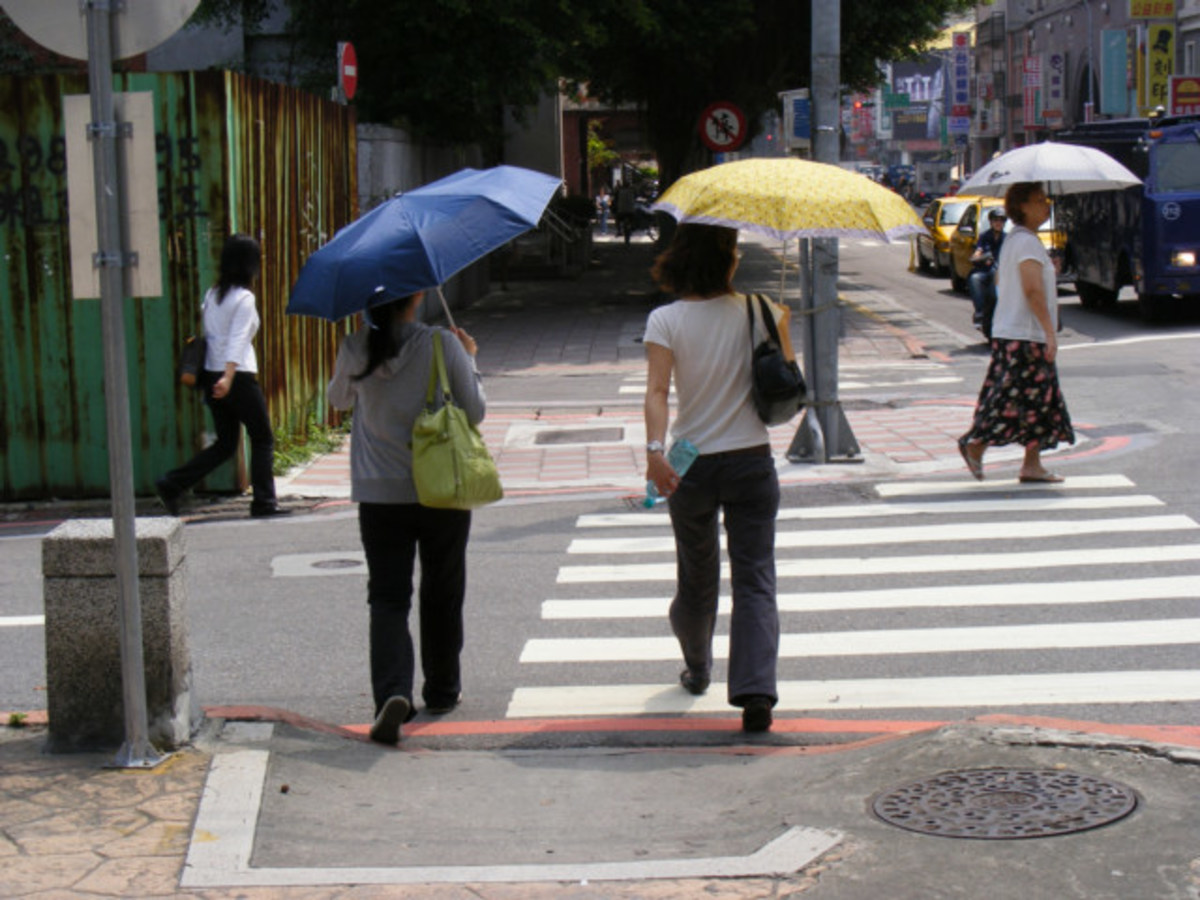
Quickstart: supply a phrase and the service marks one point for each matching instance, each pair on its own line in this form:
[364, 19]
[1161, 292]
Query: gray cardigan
[387, 402]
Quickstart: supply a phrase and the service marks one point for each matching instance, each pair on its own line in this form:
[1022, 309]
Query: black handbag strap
[768, 319]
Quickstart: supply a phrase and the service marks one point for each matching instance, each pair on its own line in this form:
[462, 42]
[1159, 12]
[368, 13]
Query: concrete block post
[83, 655]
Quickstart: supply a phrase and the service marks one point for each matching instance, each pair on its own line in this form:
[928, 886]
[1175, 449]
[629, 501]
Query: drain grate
[580, 436]
[1004, 804]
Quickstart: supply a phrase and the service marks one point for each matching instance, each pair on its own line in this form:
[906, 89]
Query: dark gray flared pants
[745, 488]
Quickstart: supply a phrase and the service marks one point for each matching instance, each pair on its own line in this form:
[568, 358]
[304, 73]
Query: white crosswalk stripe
[1112, 570]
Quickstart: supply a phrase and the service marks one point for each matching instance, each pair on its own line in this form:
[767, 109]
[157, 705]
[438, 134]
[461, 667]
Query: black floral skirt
[1020, 401]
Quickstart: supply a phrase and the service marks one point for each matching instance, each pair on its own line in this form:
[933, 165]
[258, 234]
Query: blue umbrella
[420, 239]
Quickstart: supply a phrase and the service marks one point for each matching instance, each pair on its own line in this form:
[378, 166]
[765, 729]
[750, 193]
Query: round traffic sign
[61, 25]
[347, 69]
[722, 127]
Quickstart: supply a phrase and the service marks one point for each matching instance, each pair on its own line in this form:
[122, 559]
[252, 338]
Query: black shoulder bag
[777, 386]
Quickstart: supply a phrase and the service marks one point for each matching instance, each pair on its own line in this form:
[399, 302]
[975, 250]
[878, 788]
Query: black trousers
[243, 405]
[393, 536]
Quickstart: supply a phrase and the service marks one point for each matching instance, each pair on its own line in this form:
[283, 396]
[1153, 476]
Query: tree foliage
[676, 57]
[445, 69]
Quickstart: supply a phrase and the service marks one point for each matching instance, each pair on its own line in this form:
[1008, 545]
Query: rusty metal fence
[233, 154]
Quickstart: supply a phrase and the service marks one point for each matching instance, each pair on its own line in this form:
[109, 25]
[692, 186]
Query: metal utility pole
[824, 434]
[110, 259]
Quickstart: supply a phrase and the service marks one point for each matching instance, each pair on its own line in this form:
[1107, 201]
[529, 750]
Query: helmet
[996, 213]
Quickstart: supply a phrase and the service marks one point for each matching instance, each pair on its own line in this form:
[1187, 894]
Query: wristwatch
[654, 447]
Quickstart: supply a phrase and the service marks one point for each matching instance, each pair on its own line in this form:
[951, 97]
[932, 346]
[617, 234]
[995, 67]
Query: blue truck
[1146, 236]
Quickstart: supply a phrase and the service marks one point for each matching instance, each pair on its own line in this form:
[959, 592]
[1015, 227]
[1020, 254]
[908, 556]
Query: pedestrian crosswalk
[935, 596]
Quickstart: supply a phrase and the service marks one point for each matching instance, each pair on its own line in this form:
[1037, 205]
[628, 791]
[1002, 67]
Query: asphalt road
[274, 626]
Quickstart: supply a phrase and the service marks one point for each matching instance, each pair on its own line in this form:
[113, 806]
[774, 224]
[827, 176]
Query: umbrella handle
[445, 307]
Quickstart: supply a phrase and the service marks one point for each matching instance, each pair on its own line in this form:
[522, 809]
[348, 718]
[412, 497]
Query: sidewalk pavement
[265, 804]
[550, 351]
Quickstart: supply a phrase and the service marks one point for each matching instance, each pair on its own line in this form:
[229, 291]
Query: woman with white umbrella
[1021, 401]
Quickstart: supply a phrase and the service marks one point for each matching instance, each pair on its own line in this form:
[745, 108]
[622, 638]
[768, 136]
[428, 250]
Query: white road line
[886, 510]
[886, 642]
[908, 382]
[1043, 594]
[990, 691]
[21, 621]
[1075, 482]
[885, 565]
[1006, 529]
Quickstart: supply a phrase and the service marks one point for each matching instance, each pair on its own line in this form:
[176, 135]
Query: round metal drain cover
[1003, 804]
[337, 564]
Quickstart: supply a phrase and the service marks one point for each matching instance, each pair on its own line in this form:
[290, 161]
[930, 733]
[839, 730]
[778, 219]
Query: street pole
[137, 751]
[824, 433]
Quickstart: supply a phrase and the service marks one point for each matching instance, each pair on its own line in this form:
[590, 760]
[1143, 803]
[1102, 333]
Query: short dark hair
[698, 260]
[1018, 195]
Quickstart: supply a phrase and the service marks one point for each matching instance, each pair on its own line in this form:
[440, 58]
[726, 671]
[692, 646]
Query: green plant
[295, 449]
[17, 720]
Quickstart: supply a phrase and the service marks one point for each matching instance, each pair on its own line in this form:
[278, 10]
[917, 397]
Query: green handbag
[451, 465]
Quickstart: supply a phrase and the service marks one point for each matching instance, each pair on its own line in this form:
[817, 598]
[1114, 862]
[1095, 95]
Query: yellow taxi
[966, 234]
[933, 245]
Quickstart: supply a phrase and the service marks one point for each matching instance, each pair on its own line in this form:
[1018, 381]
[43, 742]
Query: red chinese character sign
[722, 127]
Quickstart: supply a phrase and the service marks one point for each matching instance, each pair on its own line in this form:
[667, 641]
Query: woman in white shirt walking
[702, 340]
[230, 383]
[1021, 401]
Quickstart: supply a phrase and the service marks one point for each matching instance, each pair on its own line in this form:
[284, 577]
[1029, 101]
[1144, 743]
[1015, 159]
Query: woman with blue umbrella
[382, 372]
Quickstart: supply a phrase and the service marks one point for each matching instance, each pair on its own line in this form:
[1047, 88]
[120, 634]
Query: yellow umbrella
[790, 198]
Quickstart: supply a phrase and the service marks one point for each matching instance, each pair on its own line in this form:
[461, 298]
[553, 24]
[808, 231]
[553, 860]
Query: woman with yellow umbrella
[702, 342]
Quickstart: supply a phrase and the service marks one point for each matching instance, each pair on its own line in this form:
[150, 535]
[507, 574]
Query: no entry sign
[347, 69]
[722, 127]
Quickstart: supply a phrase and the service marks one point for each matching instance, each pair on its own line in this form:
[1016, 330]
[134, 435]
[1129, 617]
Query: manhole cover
[1002, 804]
[580, 436]
[337, 564]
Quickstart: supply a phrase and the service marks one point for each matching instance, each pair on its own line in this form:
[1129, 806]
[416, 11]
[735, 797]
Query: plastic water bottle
[681, 456]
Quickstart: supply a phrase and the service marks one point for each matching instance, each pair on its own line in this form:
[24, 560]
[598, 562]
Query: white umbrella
[1063, 168]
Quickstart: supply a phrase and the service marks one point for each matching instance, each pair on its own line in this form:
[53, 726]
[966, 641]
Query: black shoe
[756, 714]
[694, 683]
[386, 729]
[440, 708]
[167, 497]
[263, 512]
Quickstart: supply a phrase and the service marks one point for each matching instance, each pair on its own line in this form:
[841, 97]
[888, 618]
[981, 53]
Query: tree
[675, 57]
[446, 69]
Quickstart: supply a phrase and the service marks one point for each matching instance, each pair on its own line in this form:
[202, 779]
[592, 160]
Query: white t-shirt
[230, 327]
[1013, 318]
[710, 342]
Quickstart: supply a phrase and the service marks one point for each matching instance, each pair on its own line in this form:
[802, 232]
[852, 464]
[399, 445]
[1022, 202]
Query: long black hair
[382, 342]
[241, 259]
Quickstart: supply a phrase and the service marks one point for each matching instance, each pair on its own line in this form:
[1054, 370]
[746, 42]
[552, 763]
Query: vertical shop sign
[1160, 65]
[1056, 69]
[1114, 87]
[960, 84]
[1032, 84]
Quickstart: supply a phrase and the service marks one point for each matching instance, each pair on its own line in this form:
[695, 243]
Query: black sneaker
[695, 683]
[386, 729]
[167, 497]
[756, 714]
[441, 707]
[263, 512]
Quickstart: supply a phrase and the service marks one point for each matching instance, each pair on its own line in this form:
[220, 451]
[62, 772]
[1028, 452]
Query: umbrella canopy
[1064, 168]
[790, 198]
[420, 239]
